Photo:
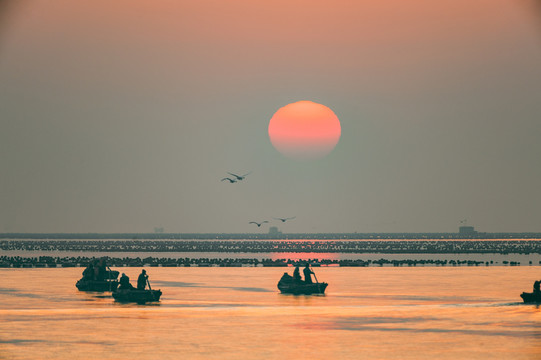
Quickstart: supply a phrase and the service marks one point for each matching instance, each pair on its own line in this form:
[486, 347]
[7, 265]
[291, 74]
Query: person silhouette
[308, 274]
[125, 282]
[297, 275]
[142, 280]
[88, 273]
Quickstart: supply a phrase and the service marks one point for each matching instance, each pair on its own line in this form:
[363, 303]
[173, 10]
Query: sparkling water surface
[238, 313]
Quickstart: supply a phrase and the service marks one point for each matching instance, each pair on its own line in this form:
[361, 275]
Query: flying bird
[231, 181]
[285, 219]
[240, 177]
[258, 224]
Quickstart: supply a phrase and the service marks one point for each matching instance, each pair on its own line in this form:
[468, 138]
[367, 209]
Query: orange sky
[390, 41]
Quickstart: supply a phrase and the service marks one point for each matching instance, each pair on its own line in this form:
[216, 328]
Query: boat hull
[302, 289]
[95, 285]
[531, 298]
[138, 296]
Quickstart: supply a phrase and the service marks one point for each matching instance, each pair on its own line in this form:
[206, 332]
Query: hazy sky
[122, 116]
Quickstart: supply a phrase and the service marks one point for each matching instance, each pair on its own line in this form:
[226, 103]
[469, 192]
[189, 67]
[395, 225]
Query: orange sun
[304, 130]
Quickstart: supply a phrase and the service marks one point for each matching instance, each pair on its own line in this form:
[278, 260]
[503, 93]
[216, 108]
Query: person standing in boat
[142, 280]
[307, 274]
[297, 275]
[537, 287]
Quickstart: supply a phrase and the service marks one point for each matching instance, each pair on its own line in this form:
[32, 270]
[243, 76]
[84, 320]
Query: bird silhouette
[240, 177]
[285, 219]
[258, 224]
[231, 181]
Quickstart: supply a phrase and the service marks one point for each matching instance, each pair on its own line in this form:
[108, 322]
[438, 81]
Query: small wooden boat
[138, 296]
[286, 285]
[109, 283]
[96, 285]
[531, 298]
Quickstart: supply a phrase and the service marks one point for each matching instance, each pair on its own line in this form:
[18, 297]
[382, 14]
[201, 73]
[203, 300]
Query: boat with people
[288, 287]
[126, 292]
[295, 285]
[533, 297]
[98, 278]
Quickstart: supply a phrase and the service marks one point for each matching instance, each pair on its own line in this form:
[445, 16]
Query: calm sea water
[238, 313]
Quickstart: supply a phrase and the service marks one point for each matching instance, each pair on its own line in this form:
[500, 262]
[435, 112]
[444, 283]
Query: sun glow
[304, 130]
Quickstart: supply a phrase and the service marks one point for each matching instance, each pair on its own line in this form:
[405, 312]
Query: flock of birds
[236, 178]
[265, 221]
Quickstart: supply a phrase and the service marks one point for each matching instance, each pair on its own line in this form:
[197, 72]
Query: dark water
[497, 259]
[237, 313]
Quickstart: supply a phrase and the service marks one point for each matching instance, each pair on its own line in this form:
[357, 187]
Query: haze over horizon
[122, 117]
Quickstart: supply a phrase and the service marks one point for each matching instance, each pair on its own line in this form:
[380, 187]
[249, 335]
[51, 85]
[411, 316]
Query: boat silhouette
[531, 298]
[138, 296]
[110, 283]
[287, 285]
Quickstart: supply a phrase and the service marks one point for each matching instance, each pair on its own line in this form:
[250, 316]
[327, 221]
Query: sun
[304, 130]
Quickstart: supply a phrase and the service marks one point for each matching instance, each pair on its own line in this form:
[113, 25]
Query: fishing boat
[286, 285]
[138, 296]
[531, 298]
[110, 283]
[96, 285]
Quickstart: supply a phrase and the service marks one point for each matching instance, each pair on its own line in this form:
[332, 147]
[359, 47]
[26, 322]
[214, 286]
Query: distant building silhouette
[273, 230]
[467, 230]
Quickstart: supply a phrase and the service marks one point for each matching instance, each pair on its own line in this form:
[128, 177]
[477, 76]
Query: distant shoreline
[269, 252]
[396, 246]
[274, 236]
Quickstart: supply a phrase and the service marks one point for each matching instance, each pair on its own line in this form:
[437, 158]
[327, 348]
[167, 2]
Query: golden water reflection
[232, 313]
